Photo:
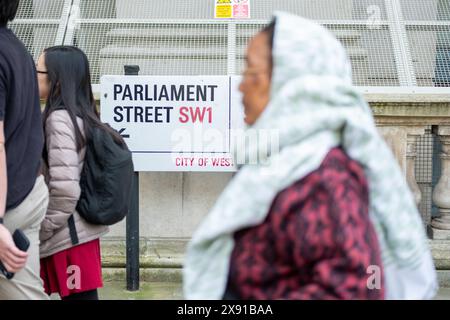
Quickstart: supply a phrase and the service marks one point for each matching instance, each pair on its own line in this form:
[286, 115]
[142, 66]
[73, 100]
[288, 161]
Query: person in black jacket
[23, 193]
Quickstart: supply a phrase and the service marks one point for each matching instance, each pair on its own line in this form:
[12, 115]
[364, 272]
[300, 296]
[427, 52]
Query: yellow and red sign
[232, 9]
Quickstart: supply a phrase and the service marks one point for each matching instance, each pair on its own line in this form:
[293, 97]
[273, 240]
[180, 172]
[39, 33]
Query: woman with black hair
[70, 246]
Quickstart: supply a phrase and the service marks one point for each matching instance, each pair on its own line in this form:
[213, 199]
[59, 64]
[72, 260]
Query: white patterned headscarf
[314, 107]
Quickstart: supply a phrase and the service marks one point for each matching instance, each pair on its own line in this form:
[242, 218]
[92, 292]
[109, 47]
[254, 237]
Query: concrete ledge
[406, 94]
[176, 275]
[162, 260]
[154, 253]
[438, 234]
[440, 249]
[444, 278]
[145, 275]
[169, 253]
[420, 95]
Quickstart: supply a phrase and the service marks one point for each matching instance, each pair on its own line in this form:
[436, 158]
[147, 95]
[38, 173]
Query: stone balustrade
[402, 120]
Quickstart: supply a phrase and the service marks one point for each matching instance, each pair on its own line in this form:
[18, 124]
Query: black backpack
[106, 179]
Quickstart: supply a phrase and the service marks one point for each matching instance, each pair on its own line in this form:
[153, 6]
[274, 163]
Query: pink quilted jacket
[62, 176]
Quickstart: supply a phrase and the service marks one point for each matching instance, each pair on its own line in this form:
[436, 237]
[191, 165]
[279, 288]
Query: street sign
[174, 123]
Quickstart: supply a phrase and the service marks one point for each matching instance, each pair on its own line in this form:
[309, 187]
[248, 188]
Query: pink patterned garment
[317, 241]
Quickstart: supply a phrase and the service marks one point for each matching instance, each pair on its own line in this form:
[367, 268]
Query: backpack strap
[73, 230]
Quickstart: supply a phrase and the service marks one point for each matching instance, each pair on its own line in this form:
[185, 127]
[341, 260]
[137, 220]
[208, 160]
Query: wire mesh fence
[424, 173]
[36, 37]
[370, 51]
[40, 9]
[390, 42]
[430, 47]
[426, 10]
[41, 23]
[159, 49]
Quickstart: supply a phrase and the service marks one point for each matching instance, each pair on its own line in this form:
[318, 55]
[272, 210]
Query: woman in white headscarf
[330, 215]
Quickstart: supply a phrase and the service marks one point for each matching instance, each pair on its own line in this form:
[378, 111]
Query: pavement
[443, 294]
[115, 290]
[161, 262]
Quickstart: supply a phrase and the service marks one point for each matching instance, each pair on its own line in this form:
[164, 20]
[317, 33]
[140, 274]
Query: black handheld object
[22, 243]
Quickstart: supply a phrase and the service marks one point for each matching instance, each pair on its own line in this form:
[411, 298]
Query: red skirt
[74, 270]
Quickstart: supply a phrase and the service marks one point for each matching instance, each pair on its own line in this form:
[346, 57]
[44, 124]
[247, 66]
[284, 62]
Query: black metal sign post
[132, 221]
[133, 238]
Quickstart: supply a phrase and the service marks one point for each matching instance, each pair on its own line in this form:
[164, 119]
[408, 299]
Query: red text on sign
[194, 115]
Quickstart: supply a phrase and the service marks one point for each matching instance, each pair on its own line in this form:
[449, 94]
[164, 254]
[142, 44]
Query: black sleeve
[2, 92]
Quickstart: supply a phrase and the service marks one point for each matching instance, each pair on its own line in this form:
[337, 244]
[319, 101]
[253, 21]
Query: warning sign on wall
[232, 9]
